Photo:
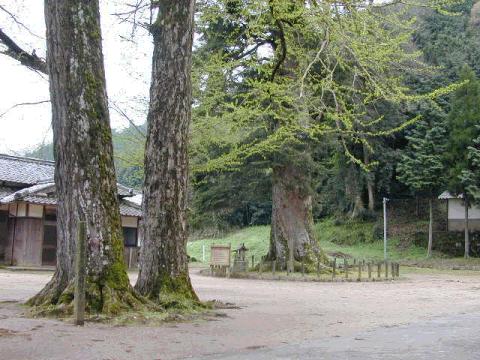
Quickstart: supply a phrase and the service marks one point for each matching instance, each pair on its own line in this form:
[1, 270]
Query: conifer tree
[463, 120]
[422, 165]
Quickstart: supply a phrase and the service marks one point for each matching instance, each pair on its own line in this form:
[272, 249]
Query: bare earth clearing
[424, 316]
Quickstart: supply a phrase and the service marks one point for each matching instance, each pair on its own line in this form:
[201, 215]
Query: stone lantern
[240, 263]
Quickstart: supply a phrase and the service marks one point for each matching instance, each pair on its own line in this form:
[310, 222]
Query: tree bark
[370, 182]
[358, 205]
[430, 228]
[84, 170]
[371, 195]
[292, 233]
[163, 260]
[467, 233]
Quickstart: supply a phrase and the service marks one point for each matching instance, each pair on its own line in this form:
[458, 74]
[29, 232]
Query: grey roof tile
[6, 191]
[128, 208]
[36, 180]
[26, 171]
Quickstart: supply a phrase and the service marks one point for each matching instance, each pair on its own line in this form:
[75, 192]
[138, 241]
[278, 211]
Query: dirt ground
[272, 315]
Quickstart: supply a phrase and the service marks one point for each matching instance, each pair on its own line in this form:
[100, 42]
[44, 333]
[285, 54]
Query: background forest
[349, 177]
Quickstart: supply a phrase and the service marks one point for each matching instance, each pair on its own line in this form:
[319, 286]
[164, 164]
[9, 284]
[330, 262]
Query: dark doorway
[3, 234]
[49, 251]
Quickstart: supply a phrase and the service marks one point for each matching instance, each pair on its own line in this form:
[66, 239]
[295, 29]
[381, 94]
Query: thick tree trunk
[84, 174]
[353, 190]
[292, 234]
[430, 228]
[358, 205]
[370, 181]
[163, 261]
[467, 233]
[371, 195]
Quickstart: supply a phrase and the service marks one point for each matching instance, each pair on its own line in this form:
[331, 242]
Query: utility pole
[385, 228]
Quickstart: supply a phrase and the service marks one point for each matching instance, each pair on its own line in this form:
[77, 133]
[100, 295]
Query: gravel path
[277, 320]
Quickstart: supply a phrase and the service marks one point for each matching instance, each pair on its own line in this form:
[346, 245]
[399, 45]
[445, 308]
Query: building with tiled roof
[28, 202]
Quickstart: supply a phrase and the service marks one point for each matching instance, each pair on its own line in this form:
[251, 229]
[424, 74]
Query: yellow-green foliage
[331, 63]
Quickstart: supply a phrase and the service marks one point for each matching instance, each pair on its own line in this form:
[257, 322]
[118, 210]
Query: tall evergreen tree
[463, 121]
[471, 176]
[422, 165]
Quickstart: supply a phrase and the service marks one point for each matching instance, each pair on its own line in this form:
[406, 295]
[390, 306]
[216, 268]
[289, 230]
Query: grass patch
[356, 239]
[255, 238]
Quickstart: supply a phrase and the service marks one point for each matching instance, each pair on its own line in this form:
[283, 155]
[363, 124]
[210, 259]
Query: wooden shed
[456, 213]
[28, 231]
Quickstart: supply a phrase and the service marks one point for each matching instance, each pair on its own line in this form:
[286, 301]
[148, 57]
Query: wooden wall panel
[3, 234]
[28, 242]
[9, 244]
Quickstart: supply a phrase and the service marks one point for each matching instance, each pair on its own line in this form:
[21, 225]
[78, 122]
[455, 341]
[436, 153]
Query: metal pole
[385, 228]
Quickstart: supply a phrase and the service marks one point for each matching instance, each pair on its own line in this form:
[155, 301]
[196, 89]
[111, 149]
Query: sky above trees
[127, 66]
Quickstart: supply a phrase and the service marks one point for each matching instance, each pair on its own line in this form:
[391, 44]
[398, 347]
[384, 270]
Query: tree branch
[32, 61]
[283, 43]
[18, 22]
[24, 104]
[123, 114]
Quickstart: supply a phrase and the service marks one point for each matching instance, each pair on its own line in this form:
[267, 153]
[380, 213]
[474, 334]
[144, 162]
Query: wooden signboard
[220, 255]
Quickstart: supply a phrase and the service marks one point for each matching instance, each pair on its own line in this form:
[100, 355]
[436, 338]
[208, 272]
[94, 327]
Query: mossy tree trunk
[466, 231]
[292, 236]
[369, 177]
[163, 260]
[84, 174]
[430, 227]
[292, 233]
[354, 189]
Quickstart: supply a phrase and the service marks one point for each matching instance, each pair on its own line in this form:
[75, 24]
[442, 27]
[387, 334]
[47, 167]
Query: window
[50, 214]
[130, 237]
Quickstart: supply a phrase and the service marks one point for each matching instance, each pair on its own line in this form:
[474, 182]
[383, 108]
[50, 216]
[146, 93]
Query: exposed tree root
[56, 300]
[174, 293]
[51, 293]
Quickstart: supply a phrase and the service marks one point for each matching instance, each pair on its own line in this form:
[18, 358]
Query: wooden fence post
[303, 267]
[274, 265]
[379, 270]
[80, 271]
[345, 266]
[334, 268]
[386, 270]
[393, 269]
[318, 268]
[253, 261]
[359, 271]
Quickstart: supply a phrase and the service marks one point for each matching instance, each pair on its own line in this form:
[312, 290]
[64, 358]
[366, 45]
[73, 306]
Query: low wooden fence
[339, 269]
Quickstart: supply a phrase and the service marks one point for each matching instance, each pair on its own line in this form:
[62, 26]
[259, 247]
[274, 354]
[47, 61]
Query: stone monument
[240, 263]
